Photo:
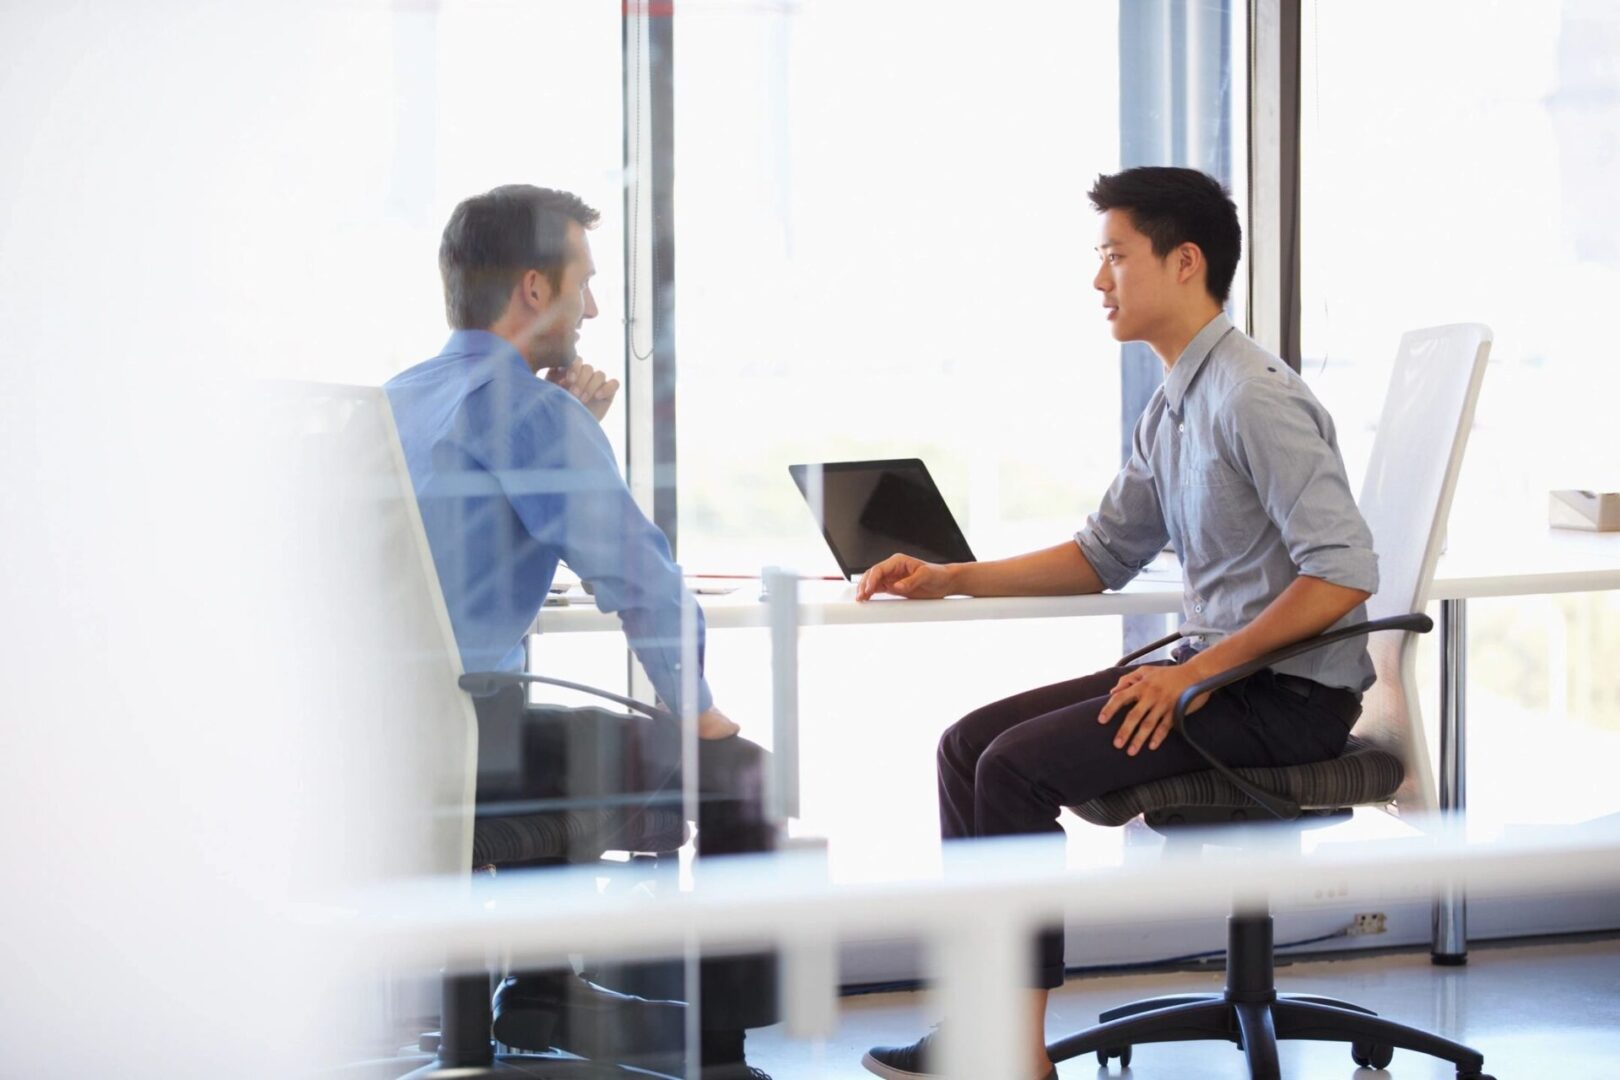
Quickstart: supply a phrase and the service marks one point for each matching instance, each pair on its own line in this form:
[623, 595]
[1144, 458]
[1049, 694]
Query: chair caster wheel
[1371, 1055]
[1123, 1053]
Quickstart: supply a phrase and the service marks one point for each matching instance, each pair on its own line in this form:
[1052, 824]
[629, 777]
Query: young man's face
[1138, 288]
[557, 329]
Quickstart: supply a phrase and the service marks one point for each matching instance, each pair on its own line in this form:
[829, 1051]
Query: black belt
[1296, 684]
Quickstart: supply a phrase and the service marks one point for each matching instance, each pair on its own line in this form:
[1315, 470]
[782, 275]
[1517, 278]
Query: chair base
[1254, 1016]
[1256, 1026]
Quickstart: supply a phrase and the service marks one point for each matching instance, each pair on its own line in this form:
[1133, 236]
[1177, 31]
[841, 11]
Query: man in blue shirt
[514, 474]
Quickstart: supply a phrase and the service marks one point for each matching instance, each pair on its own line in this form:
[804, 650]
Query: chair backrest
[381, 654]
[1406, 498]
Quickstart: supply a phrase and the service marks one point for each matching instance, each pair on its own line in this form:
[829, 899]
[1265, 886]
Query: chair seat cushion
[1362, 774]
[575, 835]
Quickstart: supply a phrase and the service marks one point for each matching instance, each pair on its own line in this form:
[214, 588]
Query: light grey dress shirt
[1236, 464]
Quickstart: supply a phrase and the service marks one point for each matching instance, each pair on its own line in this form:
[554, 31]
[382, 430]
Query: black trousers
[1008, 768]
[590, 758]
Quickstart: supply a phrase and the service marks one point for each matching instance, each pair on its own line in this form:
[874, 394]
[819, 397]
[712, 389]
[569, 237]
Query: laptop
[869, 510]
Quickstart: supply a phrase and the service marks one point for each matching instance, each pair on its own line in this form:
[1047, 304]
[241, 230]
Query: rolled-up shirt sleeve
[1128, 528]
[1285, 443]
[574, 501]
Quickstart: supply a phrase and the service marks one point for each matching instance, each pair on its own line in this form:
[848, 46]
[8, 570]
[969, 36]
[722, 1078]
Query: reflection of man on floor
[514, 474]
[1236, 464]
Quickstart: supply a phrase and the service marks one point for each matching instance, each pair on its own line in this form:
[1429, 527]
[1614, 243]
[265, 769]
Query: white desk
[1526, 563]
[832, 603]
[1530, 564]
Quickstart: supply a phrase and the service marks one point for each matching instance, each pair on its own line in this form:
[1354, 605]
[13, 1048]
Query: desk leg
[1450, 944]
[782, 602]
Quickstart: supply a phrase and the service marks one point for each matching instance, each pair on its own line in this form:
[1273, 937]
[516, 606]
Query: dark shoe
[534, 1012]
[914, 1062]
[904, 1062]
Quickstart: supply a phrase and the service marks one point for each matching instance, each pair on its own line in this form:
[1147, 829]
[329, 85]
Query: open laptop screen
[869, 510]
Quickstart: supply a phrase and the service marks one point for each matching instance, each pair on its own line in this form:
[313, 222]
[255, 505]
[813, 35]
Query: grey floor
[1548, 1010]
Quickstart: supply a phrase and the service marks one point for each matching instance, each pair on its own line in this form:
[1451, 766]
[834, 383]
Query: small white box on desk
[1595, 511]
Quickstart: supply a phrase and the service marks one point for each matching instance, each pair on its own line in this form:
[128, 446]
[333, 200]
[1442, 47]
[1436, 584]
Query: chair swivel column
[464, 1040]
[1249, 973]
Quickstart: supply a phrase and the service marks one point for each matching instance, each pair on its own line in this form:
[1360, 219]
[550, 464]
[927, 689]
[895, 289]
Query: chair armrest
[1168, 639]
[1277, 805]
[483, 683]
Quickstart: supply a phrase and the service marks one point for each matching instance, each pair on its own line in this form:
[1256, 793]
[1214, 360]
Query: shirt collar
[482, 345]
[1192, 359]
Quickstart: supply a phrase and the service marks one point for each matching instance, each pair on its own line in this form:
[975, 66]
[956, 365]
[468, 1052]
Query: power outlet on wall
[1363, 923]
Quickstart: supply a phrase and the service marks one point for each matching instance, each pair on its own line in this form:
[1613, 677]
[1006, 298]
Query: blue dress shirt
[513, 475]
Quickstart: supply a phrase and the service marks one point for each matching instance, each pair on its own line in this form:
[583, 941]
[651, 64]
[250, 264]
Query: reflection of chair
[377, 587]
[1405, 497]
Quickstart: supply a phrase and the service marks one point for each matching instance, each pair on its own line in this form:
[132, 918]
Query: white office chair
[1405, 497]
[382, 645]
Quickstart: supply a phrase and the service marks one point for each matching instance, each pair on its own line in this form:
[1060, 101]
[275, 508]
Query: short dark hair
[492, 239]
[1171, 207]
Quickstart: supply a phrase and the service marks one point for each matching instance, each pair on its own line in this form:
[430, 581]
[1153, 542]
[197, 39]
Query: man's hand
[905, 576]
[593, 388]
[714, 724]
[1151, 693]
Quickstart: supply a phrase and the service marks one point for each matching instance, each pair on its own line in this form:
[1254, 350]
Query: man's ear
[1189, 262]
[533, 291]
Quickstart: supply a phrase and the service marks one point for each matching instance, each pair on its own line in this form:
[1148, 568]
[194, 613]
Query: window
[885, 250]
[1478, 185]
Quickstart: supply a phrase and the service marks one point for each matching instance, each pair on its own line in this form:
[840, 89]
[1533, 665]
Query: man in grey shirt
[1237, 466]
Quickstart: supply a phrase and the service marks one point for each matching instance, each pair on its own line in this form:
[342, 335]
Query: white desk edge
[1149, 595]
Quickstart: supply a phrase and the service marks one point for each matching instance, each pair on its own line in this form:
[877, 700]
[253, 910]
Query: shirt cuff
[668, 683]
[1353, 568]
[1113, 573]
